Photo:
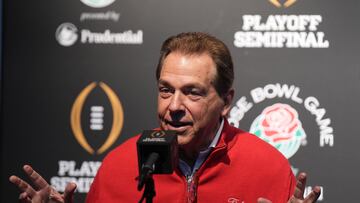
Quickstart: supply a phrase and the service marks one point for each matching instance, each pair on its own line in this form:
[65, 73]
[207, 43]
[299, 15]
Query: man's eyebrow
[163, 82]
[194, 85]
[190, 85]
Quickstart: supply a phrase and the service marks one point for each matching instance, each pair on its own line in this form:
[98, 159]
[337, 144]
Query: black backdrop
[303, 55]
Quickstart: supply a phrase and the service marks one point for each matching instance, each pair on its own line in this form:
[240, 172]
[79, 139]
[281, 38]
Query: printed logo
[234, 200]
[270, 123]
[97, 118]
[281, 31]
[286, 4]
[97, 3]
[158, 134]
[279, 125]
[66, 34]
[108, 37]
[82, 174]
[109, 15]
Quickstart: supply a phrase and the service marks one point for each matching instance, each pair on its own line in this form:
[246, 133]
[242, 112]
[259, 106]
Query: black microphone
[157, 154]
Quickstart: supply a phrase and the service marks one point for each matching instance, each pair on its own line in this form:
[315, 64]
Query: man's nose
[177, 102]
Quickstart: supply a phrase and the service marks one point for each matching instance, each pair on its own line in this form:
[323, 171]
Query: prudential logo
[66, 34]
[97, 3]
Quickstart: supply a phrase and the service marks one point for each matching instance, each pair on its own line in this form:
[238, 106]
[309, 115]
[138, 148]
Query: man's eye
[164, 89]
[195, 92]
[165, 92]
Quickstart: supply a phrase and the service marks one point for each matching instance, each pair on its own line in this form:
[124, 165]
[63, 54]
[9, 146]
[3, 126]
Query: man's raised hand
[298, 196]
[42, 192]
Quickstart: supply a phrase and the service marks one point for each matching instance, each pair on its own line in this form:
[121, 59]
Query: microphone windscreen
[161, 142]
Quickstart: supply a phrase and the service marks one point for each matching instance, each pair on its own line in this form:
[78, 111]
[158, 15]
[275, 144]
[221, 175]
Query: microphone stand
[149, 191]
[146, 178]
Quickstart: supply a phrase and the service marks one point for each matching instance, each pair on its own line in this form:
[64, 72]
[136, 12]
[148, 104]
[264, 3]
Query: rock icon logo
[66, 34]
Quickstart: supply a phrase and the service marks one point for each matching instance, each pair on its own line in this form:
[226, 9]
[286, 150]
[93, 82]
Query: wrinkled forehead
[194, 66]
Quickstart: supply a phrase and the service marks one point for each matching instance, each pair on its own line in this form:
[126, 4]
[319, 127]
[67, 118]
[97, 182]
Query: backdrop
[78, 79]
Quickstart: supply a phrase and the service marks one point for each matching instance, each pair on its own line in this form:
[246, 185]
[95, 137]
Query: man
[218, 163]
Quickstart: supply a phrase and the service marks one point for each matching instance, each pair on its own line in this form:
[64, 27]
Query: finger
[23, 195]
[300, 186]
[23, 186]
[54, 196]
[313, 196]
[263, 200]
[38, 181]
[43, 195]
[69, 192]
[23, 198]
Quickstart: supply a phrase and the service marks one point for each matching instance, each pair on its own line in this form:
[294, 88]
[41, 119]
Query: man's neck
[188, 158]
[189, 153]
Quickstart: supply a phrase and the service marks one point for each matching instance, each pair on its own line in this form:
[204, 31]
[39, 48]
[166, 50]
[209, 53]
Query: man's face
[187, 100]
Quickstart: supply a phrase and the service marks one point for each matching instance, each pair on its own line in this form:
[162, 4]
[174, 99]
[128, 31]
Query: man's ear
[228, 98]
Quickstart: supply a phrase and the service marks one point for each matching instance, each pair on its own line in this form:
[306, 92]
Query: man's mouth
[177, 124]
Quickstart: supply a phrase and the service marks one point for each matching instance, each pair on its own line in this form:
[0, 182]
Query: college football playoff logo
[279, 125]
[285, 4]
[158, 134]
[117, 112]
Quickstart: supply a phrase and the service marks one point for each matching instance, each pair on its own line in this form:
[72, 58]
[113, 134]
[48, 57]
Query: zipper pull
[192, 183]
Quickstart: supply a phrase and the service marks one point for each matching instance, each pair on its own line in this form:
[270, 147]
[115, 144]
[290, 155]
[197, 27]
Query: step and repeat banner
[78, 79]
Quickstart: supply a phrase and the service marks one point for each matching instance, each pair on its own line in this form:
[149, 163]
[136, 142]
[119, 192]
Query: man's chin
[183, 140]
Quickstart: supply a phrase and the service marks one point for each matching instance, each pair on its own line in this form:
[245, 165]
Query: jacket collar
[227, 138]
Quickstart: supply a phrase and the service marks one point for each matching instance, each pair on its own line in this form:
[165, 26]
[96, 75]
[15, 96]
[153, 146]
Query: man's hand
[298, 196]
[43, 192]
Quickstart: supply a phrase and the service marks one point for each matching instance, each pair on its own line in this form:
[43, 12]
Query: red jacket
[241, 168]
